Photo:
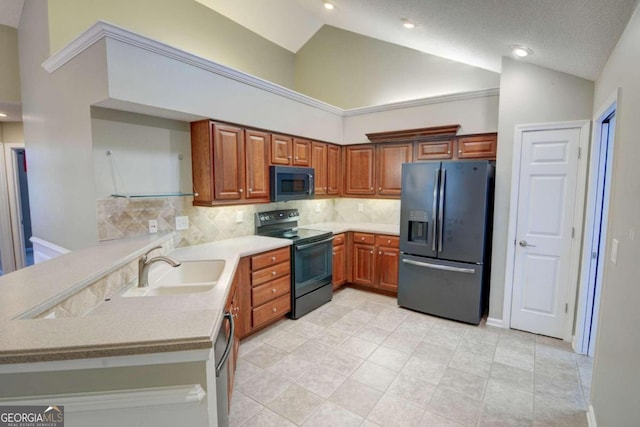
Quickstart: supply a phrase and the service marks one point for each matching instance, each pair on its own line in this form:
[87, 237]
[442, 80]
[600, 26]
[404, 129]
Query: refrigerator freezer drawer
[447, 289]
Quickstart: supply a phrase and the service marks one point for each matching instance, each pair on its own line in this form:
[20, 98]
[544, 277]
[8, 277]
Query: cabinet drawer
[434, 150]
[388, 241]
[338, 239]
[266, 274]
[270, 258]
[369, 239]
[270, 290]
[271, 310]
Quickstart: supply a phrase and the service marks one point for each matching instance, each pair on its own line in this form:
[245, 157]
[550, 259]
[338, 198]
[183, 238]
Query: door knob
[524, 244]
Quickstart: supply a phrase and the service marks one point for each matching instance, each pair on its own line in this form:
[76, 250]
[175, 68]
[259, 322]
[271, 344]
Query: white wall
[57, 131]
[475, 115]
[9, 71]
[616, 377]
[528, 94]
[145, 154]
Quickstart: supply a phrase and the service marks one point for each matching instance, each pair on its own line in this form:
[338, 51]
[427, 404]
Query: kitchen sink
[190, 277]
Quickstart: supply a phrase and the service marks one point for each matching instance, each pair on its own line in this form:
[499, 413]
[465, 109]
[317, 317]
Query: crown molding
[102, 29]
[461, 96]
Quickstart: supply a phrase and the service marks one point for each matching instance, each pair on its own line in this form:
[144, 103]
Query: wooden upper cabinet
[301, 152]
[359, 170]
[334, 171]
[478, 146]
[202, 162]
[228, 161]
[257, 165]
[390, 158]
[281, 149]
[319, 164]
[434, 150]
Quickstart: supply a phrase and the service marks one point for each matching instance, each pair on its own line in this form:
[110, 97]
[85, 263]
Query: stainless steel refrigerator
[445, 238]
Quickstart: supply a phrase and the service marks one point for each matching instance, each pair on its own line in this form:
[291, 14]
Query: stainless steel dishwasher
[222, 350]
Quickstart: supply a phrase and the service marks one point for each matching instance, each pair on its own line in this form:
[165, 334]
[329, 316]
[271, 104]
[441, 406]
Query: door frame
[578, 216]
[13, 187]
[584, 307]
[6, 232]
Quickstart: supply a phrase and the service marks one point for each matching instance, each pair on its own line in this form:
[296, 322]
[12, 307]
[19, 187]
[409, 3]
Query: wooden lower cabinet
[270, 286]
[339, 260]
[375, 261]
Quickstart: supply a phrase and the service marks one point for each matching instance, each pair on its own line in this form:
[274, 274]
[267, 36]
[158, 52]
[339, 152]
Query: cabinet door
[339, 266]
[477, 147]
[363, 264]
[281, 149]
[359, 174]
[387, 264]
[434, 150]
[301, 152]
[257, 165]
[228, 161]
[334, 172]
[389, 172]
[202, 162]
[243, 307]
[319, 163]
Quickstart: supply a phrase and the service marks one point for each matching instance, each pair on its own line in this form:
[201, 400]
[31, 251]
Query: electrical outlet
[182, 223]
[360, 207]
[614, 251]
[239, 216]
[153, 226]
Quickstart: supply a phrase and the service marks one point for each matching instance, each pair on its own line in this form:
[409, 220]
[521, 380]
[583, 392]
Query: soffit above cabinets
[571, 36]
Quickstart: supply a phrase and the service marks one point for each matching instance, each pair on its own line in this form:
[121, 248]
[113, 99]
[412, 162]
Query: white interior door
[544, 230]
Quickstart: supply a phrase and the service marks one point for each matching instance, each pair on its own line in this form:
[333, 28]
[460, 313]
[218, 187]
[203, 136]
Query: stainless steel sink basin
[189, 278]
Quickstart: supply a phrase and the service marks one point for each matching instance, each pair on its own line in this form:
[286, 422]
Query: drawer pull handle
[274, 309]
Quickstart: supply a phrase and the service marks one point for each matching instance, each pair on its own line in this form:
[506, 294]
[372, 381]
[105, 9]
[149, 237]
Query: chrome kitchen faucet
[145, 262]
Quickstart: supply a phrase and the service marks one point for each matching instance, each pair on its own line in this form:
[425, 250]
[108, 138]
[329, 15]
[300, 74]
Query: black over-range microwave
[290, 183]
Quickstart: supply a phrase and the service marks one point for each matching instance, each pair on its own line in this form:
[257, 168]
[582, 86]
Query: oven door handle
[301, 247]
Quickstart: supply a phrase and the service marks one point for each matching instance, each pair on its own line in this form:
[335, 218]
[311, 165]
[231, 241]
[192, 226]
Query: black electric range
[311, 258]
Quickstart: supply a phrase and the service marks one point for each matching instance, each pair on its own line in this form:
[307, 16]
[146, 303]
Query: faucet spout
[144, 264]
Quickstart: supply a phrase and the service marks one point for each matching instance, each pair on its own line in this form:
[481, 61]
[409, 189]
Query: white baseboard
[591, 417]
[43, 250]
[498, 323]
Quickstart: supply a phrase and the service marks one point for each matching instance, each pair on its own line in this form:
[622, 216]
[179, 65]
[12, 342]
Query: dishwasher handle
[227, 350]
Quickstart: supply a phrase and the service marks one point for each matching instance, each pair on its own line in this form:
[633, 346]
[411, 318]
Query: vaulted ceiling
[573, 36]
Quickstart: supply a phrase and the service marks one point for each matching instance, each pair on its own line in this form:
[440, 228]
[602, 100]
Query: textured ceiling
[573, 36]
[10, 11]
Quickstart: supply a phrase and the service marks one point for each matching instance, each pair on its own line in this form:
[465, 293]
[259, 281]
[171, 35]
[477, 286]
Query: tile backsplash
[121, 217]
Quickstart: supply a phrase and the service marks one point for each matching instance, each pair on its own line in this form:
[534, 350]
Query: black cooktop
[284, 224]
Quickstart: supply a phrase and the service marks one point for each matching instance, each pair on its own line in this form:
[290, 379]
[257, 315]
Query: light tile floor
[361, 360]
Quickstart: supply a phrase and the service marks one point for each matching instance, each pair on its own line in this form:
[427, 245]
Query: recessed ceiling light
[328, 5]
[408, 24]
[3, 114]
[521, 51]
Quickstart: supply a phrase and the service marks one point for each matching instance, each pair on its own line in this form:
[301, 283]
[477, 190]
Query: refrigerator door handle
[440, 267]
[443, 179]
[435, 208]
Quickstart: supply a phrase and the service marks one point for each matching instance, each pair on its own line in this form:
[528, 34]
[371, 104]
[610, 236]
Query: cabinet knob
[273, 290]
[448, 151]
[296, 157]
[288, 157]
[379, 188]
[273, 273]
[240, 190]
[334, 252]
[388, 241]
[380, 253]
[274, 309]
[371, 188]
[234, 315]
[250, 190]
[325, 188]
[362, 238]
[273, 258]
[459, 151]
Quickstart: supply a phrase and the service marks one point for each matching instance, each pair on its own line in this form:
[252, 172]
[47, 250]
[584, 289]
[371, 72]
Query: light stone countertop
[363, 227]
[121, 326]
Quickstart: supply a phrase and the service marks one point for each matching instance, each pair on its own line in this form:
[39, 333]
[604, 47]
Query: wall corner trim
[492, 321]
[591, 417]
[103, 29]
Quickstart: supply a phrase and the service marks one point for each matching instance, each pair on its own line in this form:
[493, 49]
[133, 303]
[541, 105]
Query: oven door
[313, 264]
